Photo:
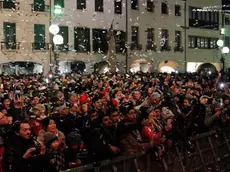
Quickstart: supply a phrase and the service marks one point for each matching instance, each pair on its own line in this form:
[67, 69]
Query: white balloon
[58, 40]
[54, 29]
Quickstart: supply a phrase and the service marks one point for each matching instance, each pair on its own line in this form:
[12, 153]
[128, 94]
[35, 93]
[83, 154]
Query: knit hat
[49, 138]
[74, 139]
[84, 97]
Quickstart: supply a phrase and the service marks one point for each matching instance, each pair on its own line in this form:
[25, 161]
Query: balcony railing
[9, 5]
[10, 45]
[40, 8]
[165, 48]
[178, 49]
[152, 47]
[136, 47]
[40, 46]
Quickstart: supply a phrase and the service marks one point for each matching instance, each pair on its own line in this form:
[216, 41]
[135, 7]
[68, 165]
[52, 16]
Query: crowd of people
[60, 122]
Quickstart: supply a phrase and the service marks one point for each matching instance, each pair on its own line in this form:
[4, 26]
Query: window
[202, 42]
[227, 41]
[100, 41]
[213, 43]
[150, 39]
[177, 10]
[227, 21]
[191, 43]
[82, 39]
[120, 41]
[60, 3]
[118, 6]
[178, 39]
[81, 4]
[134, 4]
[9, 35]
[203, 19]
[99, 5]
[39, 5]
[135, 40]
[39, 36]
[64, 32]
[150, 6]
[206, 43]
[198, 42]
[164, 39]
[164, 8]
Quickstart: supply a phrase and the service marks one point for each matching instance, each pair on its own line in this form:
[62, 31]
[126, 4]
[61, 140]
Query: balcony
[9, 5]
[178, 49]
[40, 46]
[40, 8]
[136, 47]
[10, 46]
[165, 48]
[152, 47]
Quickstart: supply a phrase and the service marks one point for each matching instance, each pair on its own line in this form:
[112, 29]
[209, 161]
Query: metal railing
[40, 46]
[208, 152]
[9, 5]
[10, 45]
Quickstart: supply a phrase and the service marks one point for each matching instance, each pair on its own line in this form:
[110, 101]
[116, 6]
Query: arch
[72, 66]
[206, 67]
[101, 67]
[168, 66]
[142, 65]
[22, 67]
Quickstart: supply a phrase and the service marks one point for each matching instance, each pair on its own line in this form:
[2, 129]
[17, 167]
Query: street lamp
[54, 29]
[57, 40]
[220, 43]
[224, 51]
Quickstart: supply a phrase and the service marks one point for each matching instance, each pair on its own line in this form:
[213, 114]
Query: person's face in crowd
[93, 116]
[114, 116]
[150, 90]
[55, 145]
[4, 111]
[226, 102]
[186, 103]
[52, 127]
[84, 107]
[73, 100]
[6, 103]
[152, 115]
[98, 104]
[131, 116]
[205, 100]
[4, 120]
[36, 100]
[65, 111]
[158, 113]
[25, 131]
[106, 121]
[137, 95]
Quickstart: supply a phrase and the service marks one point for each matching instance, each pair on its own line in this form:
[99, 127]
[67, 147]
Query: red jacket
[1, 155]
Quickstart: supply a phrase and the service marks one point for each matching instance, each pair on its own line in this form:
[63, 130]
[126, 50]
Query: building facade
[162, 35]
[24, 32]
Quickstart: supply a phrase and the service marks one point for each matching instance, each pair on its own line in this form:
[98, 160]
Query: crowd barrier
[208, 152]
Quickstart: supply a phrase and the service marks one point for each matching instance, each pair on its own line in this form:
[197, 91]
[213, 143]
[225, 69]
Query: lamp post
[224, 51]
[57, 40]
